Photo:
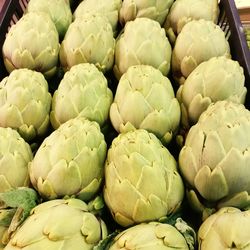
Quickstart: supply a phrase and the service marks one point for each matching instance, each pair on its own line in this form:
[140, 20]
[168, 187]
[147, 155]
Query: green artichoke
[70, 161]
[219, 78]
[153, 235]
[226, 229]
[215, 160]
[184, 11]
[32, 43]
[108, 8]
[15, 157]
[142, 42]
[59, 11]
[157, 110]
[59, 224]
[155, 9]
[89, 39]
[83, 92]
[25, 103]
[141, 179]
[198, 41]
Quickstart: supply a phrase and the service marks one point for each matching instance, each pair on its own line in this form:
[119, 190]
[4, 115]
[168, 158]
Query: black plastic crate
[229, 21]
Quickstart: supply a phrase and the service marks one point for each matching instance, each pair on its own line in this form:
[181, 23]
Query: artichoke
[108, 8]
[70, 161]
[198, 41]
[25, 103]
[141, 179]
[59, 224]
[158, 111]
[89, 39]
[142, 42]
[156, 10]
[215, 160]
[148, 236]
[184, 11]
[59, 11]
[83, 92]
[226, 229]
[219, 78]
[32, 43]
[15, 157]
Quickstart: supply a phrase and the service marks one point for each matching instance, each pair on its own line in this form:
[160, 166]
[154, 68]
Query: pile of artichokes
[123, 125]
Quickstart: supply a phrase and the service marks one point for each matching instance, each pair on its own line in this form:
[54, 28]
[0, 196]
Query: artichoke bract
[83, 92]
[25, 103]
[142, 182]
[226, 229]
[184, 11]
[219, 78]
[148, 236]
[215, 160]
[15, 157]
[108, 8]
[70, 161]
[89, 39]
[156, 10]
[157, 110]
[143, 41]
[33, 43]
[59, 11]
[198, 41]
[59, 224]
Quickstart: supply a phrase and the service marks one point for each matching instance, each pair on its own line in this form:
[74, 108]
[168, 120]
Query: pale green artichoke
[25, 103]
[32, 43]
[15, 157]
[198, 41]
[89, 39]
[154, 9]
[157, 110]
[219, 78]
[83, 92]
[227, 229]
[215, 160]
[59, 224]
[143, 41]
[70, 161]
[141, 179]
[59, 11]
[108, 8]
[148, 236]
[184, 11]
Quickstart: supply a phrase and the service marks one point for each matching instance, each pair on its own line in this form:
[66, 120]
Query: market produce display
[123, 125]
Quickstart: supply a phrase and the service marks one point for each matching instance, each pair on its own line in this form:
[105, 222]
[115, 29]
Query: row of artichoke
[123, 126]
